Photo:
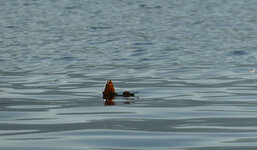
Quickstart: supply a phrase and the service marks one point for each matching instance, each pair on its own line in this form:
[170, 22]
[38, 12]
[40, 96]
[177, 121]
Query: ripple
[240, 52]
[189, 63]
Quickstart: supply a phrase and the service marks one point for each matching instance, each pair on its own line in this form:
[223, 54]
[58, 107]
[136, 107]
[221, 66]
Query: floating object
[109, 91]
[127, 94]
[252, 71]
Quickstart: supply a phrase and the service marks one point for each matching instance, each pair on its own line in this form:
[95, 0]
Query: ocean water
[188, 60]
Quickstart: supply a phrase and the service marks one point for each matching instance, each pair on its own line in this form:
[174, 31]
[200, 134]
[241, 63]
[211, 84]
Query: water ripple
[188, 63]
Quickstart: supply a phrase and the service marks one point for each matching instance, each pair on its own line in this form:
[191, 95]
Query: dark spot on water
[142, 5]
[71, 7]
[158, 7]
[198, 22]
[239, 52]
[149, 7]
[142, 43]
[100, 28]
[67, 58]
[10, 27]
[143, 60]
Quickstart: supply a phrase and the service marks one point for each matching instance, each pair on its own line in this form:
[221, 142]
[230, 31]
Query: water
[189, 60]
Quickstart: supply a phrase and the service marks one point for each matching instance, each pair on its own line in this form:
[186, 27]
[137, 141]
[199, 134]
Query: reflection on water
[188, 60]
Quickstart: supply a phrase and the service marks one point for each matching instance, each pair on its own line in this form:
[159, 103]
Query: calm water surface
[189, 60]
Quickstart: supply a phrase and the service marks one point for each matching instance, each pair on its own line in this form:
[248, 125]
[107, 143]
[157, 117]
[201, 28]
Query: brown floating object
[127, 94]
[109, 91]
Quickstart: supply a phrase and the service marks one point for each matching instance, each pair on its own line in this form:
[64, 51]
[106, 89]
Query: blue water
[189, 60]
